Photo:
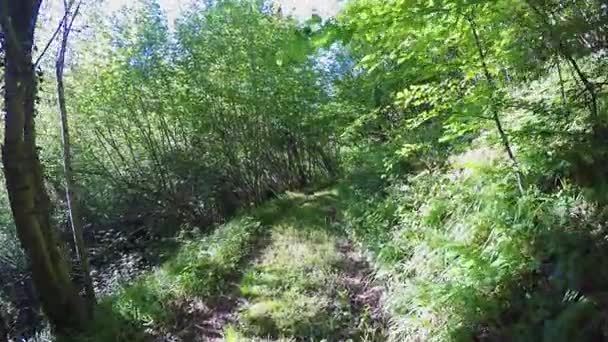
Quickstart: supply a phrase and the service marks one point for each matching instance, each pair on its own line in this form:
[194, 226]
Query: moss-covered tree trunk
[29, 201]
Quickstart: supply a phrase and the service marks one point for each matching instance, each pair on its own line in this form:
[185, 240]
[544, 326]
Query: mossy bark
[29, 201]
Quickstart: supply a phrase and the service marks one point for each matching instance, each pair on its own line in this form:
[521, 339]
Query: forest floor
[294, 276]
[304, 281]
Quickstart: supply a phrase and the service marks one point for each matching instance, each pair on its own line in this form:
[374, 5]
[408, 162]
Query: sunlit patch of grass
[231, 334]
[293, 288]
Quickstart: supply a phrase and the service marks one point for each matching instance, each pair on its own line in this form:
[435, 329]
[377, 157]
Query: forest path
[305, 282]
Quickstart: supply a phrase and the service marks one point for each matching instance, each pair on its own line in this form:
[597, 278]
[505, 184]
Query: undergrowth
[467, 256]
[201, 269]
[283, 260]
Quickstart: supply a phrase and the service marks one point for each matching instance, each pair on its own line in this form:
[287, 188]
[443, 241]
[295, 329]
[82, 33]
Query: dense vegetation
[406, 171]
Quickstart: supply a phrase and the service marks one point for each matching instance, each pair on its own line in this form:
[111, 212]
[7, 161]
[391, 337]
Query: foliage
[468, 100]
[468, 138]
[459, 249]
[203, 120]
[11, 254]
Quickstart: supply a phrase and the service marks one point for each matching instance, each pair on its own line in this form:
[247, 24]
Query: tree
[441, 65]
[3, 328]
[71, 200]
[30, 203]
[226, 109]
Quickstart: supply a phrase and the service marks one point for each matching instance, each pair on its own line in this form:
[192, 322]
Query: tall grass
[465, 256]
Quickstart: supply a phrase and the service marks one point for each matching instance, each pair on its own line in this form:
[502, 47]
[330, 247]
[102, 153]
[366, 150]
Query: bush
[469, 256]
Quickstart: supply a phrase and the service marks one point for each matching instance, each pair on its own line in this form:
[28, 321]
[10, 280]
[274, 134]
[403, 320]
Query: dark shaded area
[565, 298]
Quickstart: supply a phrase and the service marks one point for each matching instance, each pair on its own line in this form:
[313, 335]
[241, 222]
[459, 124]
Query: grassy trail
[309, 282]
[281, 272]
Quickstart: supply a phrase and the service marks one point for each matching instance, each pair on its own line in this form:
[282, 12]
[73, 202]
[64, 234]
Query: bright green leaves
[439, 64]
[474, 84]
[418, 95]
[229, 100]
[423, 38]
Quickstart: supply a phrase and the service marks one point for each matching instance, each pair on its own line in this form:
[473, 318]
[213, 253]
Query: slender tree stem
[73, 212]
[495, 116]
[589, 86]
[561, 81]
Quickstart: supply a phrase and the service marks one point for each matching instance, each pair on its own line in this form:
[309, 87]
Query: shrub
[466, 255]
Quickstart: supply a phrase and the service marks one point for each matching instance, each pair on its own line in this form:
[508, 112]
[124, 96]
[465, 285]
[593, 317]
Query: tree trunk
[598, 126]
[29, 201]
[495, 115]
[3, 328]
[73, 212]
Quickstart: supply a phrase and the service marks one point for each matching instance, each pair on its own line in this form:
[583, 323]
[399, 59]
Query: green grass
[467, 256]
[201, 269]
[295, 288]
[285, 261]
